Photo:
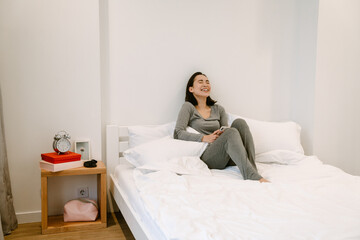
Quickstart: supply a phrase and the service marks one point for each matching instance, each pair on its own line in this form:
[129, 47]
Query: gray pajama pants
[236, 144]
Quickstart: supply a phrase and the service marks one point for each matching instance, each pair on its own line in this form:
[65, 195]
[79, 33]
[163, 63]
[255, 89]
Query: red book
[53, 157]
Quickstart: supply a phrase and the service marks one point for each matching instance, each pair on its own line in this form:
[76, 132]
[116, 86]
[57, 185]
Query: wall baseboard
[28, 217]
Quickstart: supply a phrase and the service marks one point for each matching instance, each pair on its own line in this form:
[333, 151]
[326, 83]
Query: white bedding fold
[305, 200]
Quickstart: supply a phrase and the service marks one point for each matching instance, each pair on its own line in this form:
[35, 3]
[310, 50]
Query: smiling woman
[197, 81]
[226, 147]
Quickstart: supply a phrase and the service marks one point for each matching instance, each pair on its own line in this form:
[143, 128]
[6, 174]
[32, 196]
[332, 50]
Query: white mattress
[124, 176]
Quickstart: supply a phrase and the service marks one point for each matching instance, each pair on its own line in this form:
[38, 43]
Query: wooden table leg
[101, 196]
[44, 204]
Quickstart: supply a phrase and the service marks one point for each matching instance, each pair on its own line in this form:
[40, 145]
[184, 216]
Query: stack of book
[54, 162]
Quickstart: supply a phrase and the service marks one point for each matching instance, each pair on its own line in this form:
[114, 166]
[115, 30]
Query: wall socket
[83, 192]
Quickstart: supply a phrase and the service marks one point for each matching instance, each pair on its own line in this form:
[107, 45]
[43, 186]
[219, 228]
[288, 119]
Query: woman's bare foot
[263, 180]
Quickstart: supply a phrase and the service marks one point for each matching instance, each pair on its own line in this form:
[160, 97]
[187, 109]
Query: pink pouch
[80, 210]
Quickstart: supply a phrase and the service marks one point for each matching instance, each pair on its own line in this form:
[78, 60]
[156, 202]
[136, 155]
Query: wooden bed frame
[116, 143]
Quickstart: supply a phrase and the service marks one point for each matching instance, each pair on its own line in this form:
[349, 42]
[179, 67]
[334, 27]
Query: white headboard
[117, 141]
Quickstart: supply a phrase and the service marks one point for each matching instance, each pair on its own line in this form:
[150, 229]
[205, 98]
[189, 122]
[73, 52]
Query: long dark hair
[189, 96]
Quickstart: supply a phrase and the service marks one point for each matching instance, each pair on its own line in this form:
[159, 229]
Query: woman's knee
[232, 137]
[239, 123]
[231, 133]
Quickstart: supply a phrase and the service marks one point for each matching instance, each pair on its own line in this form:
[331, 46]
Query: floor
[116, 229]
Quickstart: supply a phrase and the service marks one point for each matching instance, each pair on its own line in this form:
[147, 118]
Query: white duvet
[305, 200]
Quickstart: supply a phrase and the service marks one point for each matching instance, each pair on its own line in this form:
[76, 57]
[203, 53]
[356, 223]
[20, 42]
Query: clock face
[63, 145]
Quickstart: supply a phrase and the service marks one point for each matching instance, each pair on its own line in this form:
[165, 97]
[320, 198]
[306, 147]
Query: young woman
[226, 147]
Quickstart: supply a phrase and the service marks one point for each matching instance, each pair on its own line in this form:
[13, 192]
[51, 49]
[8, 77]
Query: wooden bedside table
[56, 224]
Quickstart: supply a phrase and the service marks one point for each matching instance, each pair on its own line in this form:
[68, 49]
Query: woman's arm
[182, 123]
[223, 116]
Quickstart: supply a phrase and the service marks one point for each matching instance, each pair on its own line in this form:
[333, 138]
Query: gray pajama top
[189, 116]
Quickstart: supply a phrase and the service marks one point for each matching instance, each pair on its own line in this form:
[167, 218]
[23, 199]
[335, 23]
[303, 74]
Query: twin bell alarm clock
[61, 142]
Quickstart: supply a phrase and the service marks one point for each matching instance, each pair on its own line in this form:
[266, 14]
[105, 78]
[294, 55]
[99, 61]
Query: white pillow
[142, 134]
[270, 136]
[163, 150]
[180, 165]
[280, 157]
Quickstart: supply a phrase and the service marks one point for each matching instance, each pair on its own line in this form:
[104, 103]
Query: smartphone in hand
[223, 128]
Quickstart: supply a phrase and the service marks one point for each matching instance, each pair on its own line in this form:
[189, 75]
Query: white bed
[125, 195]
[306, 199]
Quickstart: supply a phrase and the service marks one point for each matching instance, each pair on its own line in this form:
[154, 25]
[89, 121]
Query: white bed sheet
[124, 176]
[305, 200]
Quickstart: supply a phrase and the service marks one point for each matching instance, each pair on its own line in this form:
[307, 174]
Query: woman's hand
[218, 132]
[212, 137]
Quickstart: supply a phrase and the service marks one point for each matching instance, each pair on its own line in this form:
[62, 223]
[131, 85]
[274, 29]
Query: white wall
[303, 83]
[337, 104]
[50, 80]
[255, 53]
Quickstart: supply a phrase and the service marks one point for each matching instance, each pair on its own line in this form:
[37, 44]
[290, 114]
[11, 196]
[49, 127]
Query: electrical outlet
[83, 192]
